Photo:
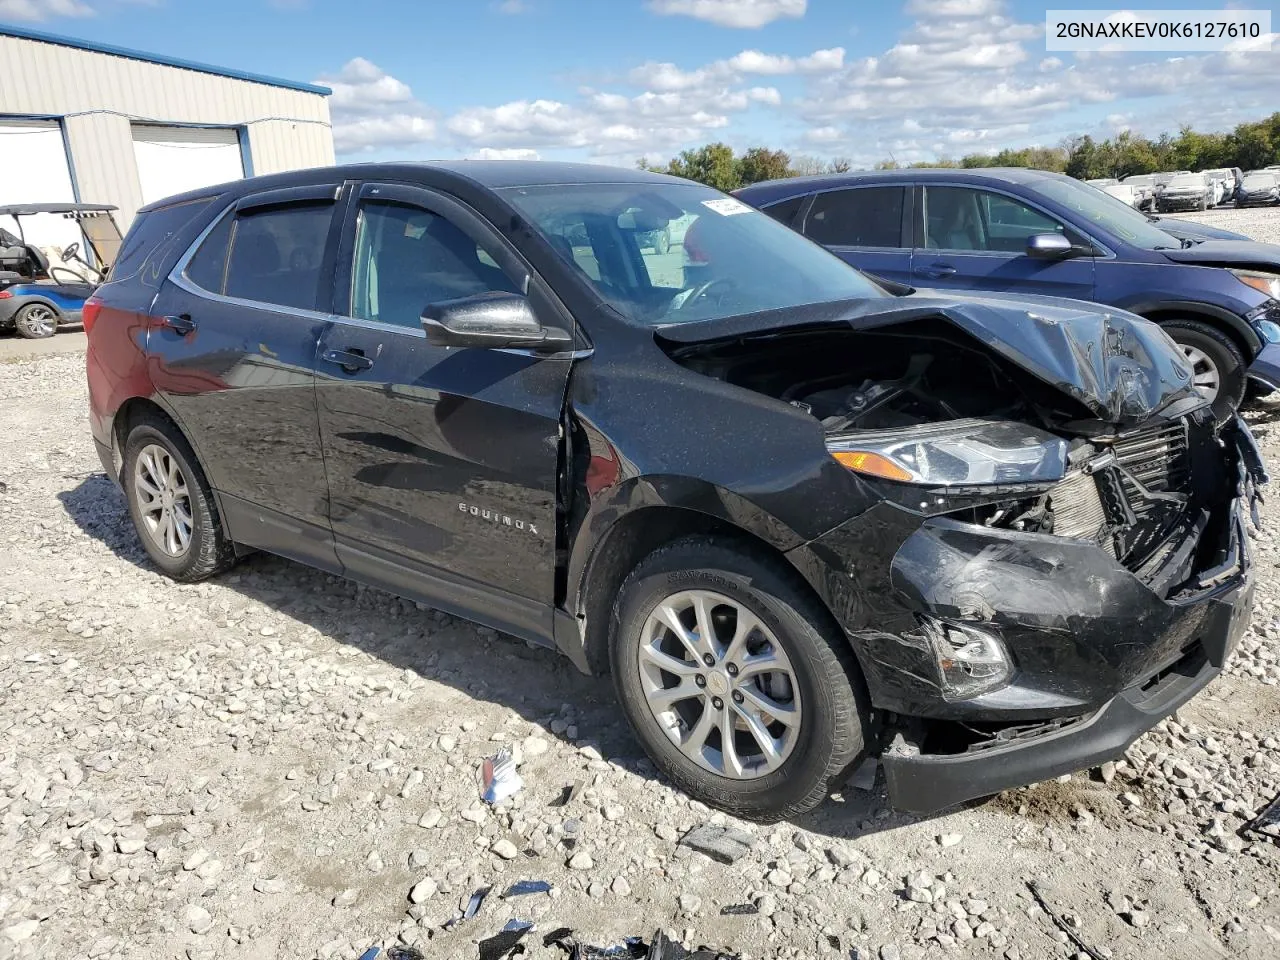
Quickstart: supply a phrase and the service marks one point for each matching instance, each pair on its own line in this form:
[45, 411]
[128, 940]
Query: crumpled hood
[1120, 367]
[1229, 253]
[1190, 230]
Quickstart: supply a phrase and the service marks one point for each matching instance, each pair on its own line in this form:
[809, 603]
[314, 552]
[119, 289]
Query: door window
[269, 256]
[958, 218]
[860, 217]
[407, 258]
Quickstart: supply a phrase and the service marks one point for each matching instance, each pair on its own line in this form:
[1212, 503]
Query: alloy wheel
[1204, 372]
[719, 684]
[164, 501]
[39, 321]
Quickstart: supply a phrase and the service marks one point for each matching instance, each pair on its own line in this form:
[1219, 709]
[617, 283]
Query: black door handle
[182, 323]
[935, 271]
[352, 360]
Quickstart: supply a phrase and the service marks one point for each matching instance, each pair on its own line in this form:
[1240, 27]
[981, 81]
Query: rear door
[976, 239]
[866, 226]
[232, 350]
[442, 461]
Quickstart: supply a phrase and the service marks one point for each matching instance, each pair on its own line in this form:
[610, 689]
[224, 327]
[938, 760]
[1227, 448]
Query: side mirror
[493, 320]
[1049, 246]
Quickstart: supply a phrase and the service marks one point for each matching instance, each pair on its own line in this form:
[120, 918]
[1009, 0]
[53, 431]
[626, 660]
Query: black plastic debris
[632, 948]
[523, 888]
[568, 794]
[402, 952]
[723, 844]
[1062, 924]
[739, 910]
[1266, 824]
[504, 944]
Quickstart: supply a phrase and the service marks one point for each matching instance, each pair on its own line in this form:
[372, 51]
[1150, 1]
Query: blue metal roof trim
[24, 34]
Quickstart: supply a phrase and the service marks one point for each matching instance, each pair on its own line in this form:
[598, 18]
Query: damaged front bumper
[1098, 653]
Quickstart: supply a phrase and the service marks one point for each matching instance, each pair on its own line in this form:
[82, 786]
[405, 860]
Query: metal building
[88, 122]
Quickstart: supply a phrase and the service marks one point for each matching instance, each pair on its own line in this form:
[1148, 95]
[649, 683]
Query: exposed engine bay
[986, 441]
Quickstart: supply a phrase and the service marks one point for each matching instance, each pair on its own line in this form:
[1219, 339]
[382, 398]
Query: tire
[826, 686]
[662, 243]
[1204, 203]
[1202, 340]
[207, 551]
[36, 321]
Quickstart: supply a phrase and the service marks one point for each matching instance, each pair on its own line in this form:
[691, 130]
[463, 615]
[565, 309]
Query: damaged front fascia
[1118, 368]
[1078, 624]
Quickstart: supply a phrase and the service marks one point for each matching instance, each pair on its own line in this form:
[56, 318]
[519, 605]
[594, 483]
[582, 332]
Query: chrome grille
[1157, 459]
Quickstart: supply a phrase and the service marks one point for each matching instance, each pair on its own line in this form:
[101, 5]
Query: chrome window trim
[178, 276]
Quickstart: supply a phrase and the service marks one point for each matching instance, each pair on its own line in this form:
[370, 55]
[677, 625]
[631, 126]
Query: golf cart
[42, 287]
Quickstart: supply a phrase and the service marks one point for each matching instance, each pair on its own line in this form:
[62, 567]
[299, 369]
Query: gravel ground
[279, 763]
[1261, 223]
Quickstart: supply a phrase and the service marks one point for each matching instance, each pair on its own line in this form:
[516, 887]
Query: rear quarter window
[150, 241]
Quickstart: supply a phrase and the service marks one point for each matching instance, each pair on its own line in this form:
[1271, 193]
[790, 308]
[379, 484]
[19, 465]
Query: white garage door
[34, 160]
[176, 159]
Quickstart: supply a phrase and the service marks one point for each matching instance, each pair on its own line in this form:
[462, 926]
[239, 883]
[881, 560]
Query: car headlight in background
[1268, 283]
[956, 453]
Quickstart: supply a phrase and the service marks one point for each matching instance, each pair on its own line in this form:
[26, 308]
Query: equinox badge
[493, 516]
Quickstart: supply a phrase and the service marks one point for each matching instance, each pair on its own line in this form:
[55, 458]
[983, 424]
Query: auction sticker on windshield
[727, 206]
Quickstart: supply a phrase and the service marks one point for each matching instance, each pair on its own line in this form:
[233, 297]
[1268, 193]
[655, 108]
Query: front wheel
[36, 321]
[1218, 367]
[735, 681]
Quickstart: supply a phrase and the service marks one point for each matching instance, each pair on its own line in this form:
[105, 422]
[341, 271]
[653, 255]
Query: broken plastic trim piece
[500, 781]
[523, 888]
[1266, 824]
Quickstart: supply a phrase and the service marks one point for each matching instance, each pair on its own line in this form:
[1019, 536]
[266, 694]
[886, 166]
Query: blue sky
[614, 80]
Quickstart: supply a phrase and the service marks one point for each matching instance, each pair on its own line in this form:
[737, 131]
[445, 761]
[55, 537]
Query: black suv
[801, 518]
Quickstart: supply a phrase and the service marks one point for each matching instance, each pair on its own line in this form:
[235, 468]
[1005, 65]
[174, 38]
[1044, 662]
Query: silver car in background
[1185, 191]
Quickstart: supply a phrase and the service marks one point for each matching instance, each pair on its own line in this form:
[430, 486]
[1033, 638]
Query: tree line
[1249, 146]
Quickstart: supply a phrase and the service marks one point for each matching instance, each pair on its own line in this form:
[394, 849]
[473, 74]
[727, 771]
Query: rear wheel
[36, 321]
[171, 504]
[1218, 366]
[734, 681]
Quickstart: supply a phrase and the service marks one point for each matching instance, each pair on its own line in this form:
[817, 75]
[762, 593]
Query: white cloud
[667, 76]
[512, 153]
[371, 109]
[747, 14]
[32, 10]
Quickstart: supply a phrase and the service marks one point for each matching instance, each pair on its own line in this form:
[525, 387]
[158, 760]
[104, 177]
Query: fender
[1236, 324]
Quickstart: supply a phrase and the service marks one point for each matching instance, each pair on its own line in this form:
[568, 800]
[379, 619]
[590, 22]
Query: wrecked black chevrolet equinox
[803, 519]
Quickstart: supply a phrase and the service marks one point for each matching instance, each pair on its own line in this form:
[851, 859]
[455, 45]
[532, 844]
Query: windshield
[673, 253]
[1103, 210]
[1187, 180]
[1258, 180]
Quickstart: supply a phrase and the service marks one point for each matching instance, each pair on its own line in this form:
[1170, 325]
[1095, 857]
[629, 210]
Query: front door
[232, 351]
[977, 240]
[442, 461]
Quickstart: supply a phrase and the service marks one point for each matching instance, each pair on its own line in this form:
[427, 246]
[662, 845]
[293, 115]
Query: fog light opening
[970, 660]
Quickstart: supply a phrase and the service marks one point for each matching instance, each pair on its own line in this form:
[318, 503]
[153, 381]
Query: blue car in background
[36, 295]
[1032, 232]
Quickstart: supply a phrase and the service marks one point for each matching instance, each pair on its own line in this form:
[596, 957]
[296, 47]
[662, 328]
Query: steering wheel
[71, 251]
[701, 290]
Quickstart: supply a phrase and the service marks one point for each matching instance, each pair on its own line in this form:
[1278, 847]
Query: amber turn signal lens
[872, 464]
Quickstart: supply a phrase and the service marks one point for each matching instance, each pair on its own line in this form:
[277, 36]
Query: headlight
[1268, 283]
[956, 453]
